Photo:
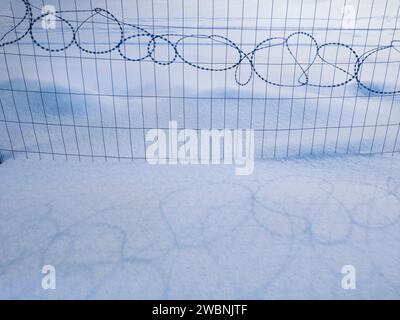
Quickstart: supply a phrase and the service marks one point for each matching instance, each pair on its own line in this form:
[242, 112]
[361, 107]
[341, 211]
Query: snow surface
[124, 230]
[130, 230]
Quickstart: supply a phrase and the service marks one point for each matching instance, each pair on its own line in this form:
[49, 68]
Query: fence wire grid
[88, 78]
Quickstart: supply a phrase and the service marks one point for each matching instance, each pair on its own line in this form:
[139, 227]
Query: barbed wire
[351, 74]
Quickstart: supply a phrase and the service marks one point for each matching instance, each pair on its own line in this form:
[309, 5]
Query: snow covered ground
[123, 230]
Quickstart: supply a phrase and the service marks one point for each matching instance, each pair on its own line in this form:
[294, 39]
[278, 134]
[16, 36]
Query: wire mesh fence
[89, 78]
